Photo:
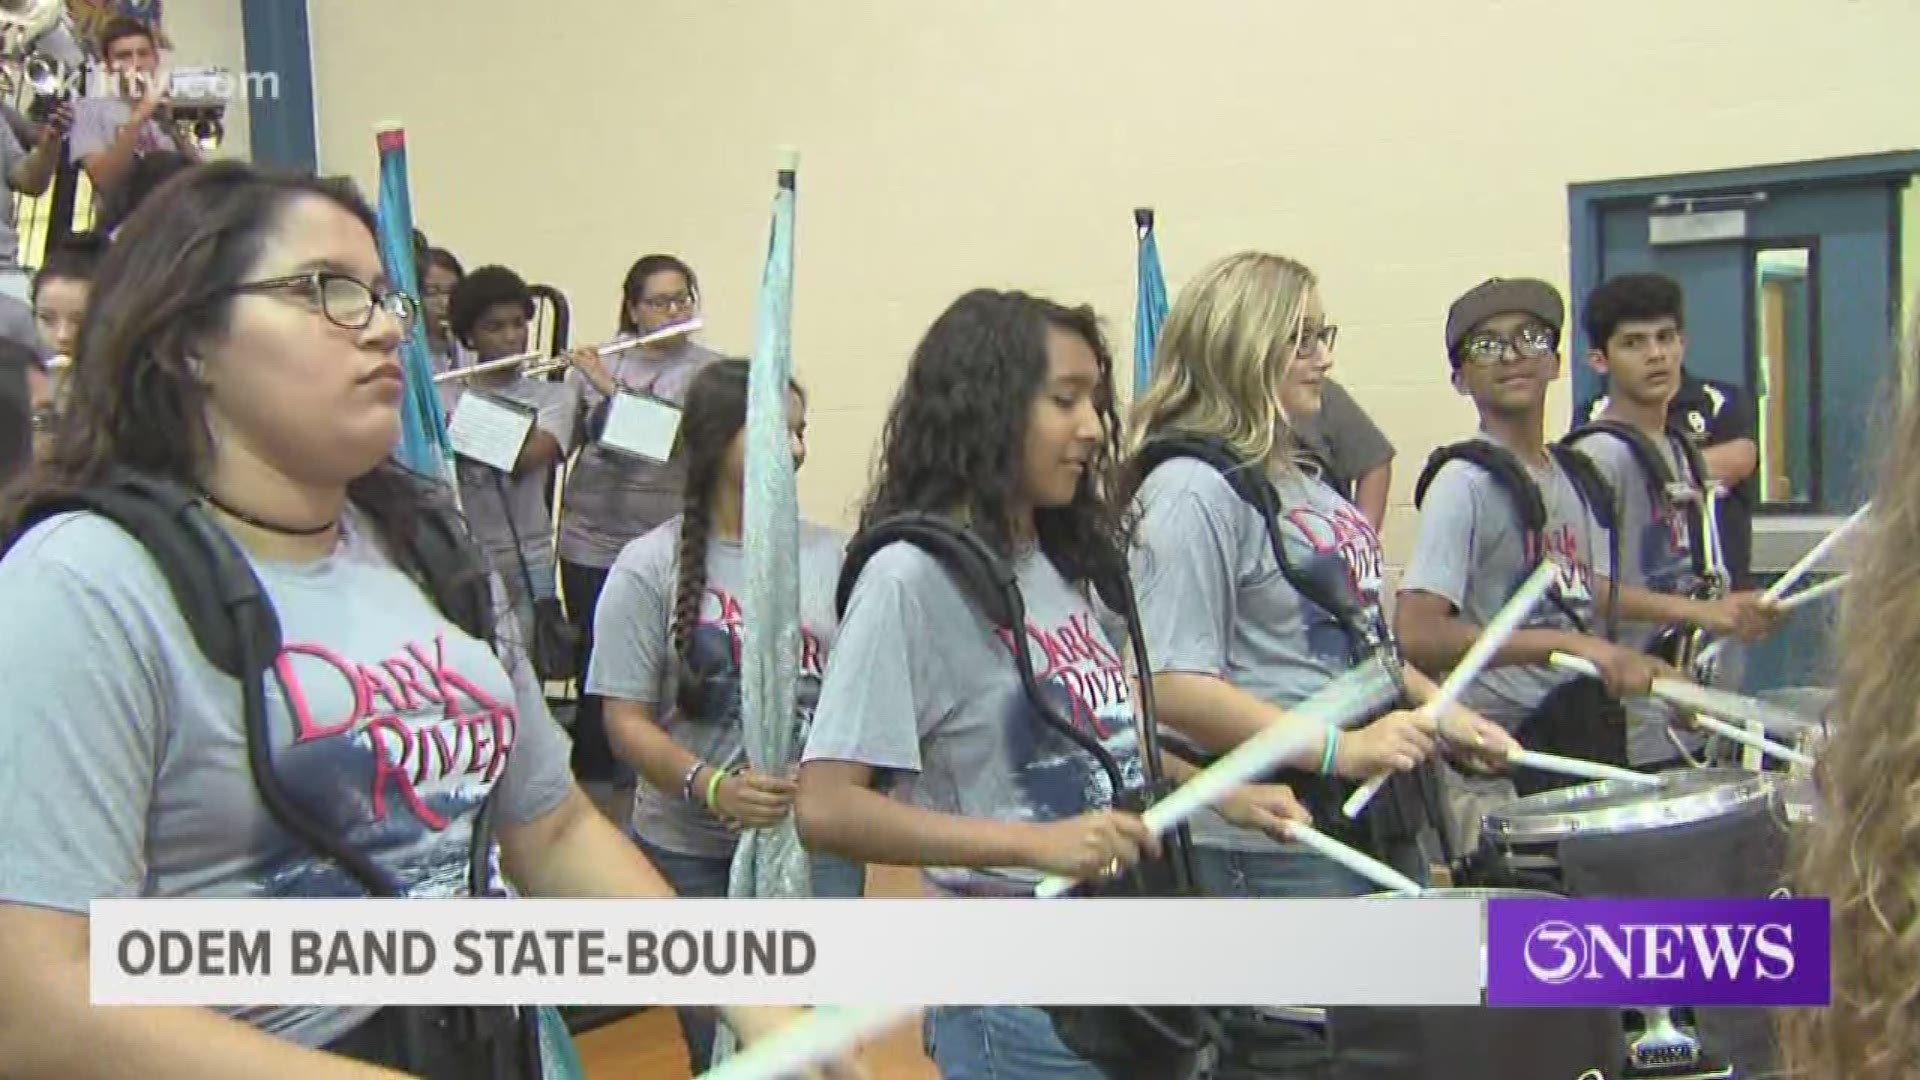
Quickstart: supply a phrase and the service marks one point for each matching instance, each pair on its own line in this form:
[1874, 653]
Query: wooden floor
[647, 1046]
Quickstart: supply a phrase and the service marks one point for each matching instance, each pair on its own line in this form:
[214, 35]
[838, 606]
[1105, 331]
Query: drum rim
[1554, 816]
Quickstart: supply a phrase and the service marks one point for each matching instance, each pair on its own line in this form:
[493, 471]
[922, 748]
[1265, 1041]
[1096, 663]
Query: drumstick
[1748, 738]
[826, 1033]
[1338, 704]
[1779, 588]
[1360, 863]
[1590, 770]
[1699, 700]
[1499, 629]
[1787, 580]
[1808, 596]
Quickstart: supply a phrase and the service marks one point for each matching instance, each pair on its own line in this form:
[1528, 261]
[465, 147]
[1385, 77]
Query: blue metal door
[1791, 277]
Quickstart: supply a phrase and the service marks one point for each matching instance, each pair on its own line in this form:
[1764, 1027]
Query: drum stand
[1669, 1050]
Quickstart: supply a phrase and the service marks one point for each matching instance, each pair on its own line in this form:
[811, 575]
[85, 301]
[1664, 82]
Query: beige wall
[1407, 150]
[208, 33]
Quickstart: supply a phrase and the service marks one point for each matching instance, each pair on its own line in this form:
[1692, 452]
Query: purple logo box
[1658, 952]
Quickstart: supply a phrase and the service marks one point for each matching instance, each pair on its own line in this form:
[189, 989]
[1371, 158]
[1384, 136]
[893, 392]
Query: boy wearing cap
[1473, 552]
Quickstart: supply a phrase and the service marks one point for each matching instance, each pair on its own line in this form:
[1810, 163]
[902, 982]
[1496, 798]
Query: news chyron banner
[1430, 951]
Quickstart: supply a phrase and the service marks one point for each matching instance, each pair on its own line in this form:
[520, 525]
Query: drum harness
[236, 628]
[1699, 493]
[1127, 1042]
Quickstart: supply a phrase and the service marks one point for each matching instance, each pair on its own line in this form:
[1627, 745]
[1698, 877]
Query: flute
[539, 363]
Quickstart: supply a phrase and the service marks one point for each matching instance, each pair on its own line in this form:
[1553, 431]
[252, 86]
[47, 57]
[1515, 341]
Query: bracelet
[713, 789]
[686, 782]
[1326, 756]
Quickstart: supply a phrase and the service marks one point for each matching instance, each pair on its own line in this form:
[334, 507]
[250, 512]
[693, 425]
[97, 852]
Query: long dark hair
[715, 411]
[635, 285]
[955, 436]
[163, 291]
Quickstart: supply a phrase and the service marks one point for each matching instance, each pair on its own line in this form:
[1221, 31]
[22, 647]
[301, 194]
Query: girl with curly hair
[925, 750]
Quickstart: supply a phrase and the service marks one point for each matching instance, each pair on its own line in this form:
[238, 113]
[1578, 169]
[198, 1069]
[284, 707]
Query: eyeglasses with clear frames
[346, 301]
[1310, 339]
[1488, 349]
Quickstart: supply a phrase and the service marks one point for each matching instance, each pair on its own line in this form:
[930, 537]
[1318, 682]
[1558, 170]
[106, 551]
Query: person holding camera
[112, 131]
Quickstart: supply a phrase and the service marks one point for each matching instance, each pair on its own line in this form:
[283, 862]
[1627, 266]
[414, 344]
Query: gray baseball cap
[1498, 296]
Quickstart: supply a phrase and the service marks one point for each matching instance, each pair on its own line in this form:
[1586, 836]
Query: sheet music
[490, 429]
[641, 425]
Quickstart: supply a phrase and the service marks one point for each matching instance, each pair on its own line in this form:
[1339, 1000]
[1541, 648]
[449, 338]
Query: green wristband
[713, 789]
[1326, 756]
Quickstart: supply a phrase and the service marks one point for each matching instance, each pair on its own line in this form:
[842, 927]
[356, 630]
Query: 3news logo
[1658, 952]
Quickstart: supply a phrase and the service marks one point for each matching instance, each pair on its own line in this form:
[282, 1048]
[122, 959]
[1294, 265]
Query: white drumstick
[1338, 705]
[1590, 770]
[822, 1036]
[1787, 580]
[1808, 596]
[1694, 699]
[1367, 867]
[1812, 558]
[1749, 739]
[1503, 626]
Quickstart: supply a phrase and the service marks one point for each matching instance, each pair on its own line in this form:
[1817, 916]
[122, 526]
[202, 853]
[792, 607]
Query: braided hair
[715, 411]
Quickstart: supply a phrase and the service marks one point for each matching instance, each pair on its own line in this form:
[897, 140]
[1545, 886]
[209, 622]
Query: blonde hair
[1862, 851]
[1222, 352]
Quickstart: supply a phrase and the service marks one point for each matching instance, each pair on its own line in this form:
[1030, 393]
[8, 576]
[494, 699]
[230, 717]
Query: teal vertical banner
[280, 57]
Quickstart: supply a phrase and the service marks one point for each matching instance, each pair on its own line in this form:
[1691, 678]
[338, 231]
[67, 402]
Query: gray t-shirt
[1472, 553]
[612, 497]
[1342, 436]
[923, 689]
[633, 660]
[123, 758]
[497, 506]
[1214, 602]
[1656, 553]
[97, 120]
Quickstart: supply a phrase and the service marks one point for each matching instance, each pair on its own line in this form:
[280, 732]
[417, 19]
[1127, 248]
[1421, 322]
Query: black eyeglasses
[1532, 343]
[668, 303]
[346, 301]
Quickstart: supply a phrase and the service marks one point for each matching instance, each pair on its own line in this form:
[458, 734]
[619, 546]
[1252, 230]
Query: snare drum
[1474, 1042]
[1702, 833]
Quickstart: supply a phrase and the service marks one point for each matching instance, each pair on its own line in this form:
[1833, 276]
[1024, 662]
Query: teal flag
[770, 862]
[424, 445]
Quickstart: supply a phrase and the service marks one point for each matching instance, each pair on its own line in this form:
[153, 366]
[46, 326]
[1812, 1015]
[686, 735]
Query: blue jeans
[705, 876]
[1288, 871]
[969, 1042]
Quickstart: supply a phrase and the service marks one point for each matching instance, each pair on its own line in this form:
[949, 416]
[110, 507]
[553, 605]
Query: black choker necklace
[311, 530]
